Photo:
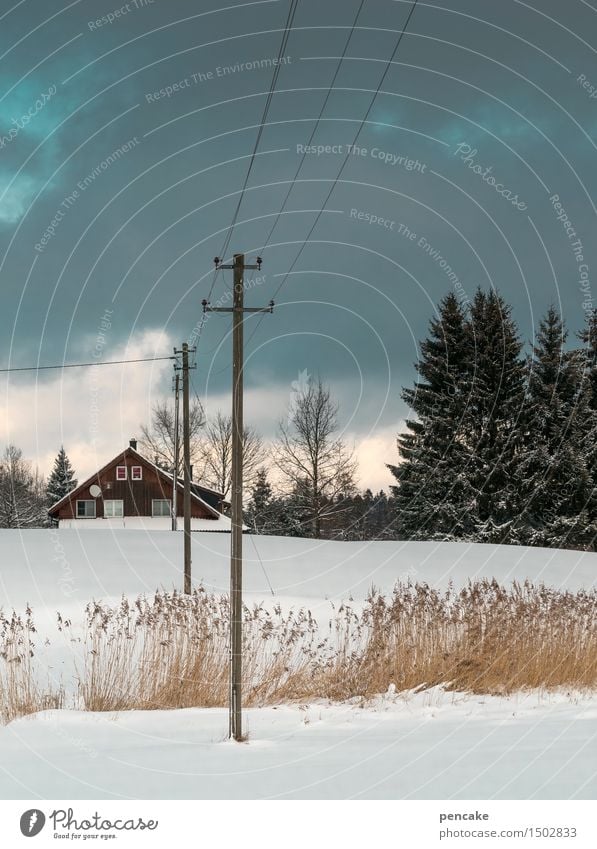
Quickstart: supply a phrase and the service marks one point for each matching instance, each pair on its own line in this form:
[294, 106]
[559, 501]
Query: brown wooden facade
[137, 496]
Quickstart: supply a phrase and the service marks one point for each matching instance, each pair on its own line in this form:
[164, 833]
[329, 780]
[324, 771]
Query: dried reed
[20, 692]
[172, 651]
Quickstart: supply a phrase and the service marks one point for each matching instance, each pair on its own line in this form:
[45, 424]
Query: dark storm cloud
[124, 183]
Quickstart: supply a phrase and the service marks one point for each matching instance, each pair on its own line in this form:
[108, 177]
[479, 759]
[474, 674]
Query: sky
[126, 134]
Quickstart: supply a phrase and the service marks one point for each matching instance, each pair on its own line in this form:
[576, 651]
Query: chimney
[133, 443]
[190, 472]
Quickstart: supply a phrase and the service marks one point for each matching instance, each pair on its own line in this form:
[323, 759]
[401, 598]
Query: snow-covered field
[429, 745]
[433, 745]
[63, 569]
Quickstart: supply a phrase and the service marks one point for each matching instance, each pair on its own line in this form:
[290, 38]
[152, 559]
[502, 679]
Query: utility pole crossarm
[233, 266]
[207, 308]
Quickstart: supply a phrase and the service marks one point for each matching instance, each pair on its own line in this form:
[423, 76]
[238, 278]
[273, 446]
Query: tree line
[303, 483]
[25, 496]
[500, 446]
[313, 468]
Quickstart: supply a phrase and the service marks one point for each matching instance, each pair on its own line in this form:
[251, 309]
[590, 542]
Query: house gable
[134, 496]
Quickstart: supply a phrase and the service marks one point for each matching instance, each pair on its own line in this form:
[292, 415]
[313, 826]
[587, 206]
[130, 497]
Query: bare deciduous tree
[311, 459]
[157, 438]
[217, 454]
[22, 492]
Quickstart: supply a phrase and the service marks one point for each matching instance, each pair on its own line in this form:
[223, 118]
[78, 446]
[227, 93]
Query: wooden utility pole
[238, 311]
[236, 547]
[186, 448]
[176, 452]
[186, 451]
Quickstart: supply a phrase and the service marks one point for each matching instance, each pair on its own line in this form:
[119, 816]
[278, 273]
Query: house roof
[130, 451]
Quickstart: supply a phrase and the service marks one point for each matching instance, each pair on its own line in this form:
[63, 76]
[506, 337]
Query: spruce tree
[433, 497]
[260, 505]
[380, 516]
[289, 517]
[553, 475]
[494, 416]
[353, 513]
[62, 479]
[588, 365]
[501, 448]
[588, 359]
[363, 515]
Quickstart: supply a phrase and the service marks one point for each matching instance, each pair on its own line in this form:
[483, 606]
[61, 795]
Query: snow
[144, 523]
[426, 745]
[56, 569]
[432, 745]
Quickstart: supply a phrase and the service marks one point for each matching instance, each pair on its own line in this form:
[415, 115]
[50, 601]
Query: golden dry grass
[484, 639]
[172, 651]
[20, 693]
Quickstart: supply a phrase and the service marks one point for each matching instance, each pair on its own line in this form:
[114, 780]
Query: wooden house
[132, 492]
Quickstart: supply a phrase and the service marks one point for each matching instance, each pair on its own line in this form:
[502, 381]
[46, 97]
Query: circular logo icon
[32, 822]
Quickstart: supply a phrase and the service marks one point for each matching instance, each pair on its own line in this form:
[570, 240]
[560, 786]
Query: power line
[346, 158]
[203, 316]
[285, 36]
[85, 365]
[269, 583]
[217, 346]
[317, 122]
[196, 394]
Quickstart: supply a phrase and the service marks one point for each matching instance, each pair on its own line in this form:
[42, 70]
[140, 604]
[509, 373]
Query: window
[160, 507]
[120, 473]
[136, 473]
[85, 509]
[113, 509]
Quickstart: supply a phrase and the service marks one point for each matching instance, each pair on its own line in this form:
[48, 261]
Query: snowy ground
[434, 745]
[64, 570]
[429, 745]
